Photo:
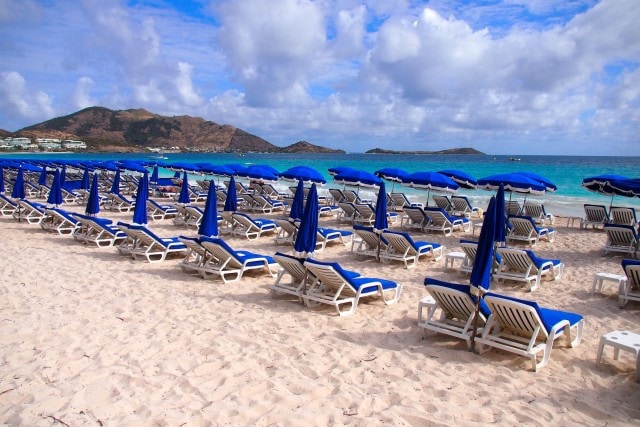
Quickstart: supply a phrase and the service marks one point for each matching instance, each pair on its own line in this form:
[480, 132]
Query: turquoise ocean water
[566, 172]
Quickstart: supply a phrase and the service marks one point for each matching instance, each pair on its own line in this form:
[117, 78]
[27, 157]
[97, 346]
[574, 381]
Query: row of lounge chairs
[434, 219]
[597, 216]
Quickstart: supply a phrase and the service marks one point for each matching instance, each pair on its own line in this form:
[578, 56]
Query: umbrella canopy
[18, 186]
[297, 206]
[338, 170]
[431, 181]
[183, 167]
[218, 170]
[42, 179]
[140, 210]
[512, 182]
[2, 190]
[550, 186]
[55, 194]
[357, 178]
[132, 165]
[84, 185]
[391, 174]
[185, 196]
[627, 187]
[209, 225]
[93, 201]
[461, 178]
[115, 186]
[303, 173]
[602, 184]
[231, 202]
[306, 238]
[258, 172]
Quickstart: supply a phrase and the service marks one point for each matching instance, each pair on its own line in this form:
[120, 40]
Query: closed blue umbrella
[42, 179]
[93, 201]
[209, 224]
[18, 186]
[462, 178]
[140, 210]
[501, 217]
[2, 189]
[231, 202]
[297, 206]
[84, 185]
[115, 186]
[63, 175]
[306, 238]
[55, 194]
[380, 224]
[184, 197]
[155, 175]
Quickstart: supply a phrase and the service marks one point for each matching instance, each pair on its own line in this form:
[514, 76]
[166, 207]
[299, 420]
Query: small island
[450, 151]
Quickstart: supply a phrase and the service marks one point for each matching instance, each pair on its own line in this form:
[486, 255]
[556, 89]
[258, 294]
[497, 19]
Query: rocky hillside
[450, 151]
[305, 147]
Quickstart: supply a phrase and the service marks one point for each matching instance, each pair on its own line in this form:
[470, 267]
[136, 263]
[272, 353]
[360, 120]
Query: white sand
[89, 337]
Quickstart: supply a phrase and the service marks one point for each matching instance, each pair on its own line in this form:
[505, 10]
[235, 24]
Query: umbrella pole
[476, 315]
[378, 249]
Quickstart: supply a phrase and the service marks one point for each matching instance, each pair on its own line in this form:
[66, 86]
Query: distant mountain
[450, 151]
[305, 147]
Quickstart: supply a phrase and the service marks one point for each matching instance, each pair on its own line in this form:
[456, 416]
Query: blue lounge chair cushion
[362, 282]
[416, 244]
[628, 262]
[548, 316]
[326, 231]
[450, 217]
[347, 274]
[484, 309]
[241, 256]
[539, 261]
[533, 224]
[166, 241]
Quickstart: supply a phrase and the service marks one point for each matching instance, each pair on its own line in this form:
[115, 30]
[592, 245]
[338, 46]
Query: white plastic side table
[600, 278]
[451, 257]
[621, 340]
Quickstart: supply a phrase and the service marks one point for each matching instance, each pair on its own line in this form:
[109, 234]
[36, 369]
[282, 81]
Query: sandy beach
[89, 337]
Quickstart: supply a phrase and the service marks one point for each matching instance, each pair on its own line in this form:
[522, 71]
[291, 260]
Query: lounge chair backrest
[338, 195]
[516, 259]
[221, 251]
[520, 318]
[534, 210]
[632, 270]
[292, 265]
[621, 235]
[461, 204]
[522, 226]
[596, 213]
[623, 216]
[416, 214]
[401, 242]
[443, 202]
[513, 207]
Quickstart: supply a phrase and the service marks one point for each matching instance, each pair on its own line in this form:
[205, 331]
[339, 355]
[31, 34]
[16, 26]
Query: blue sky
[504, 77]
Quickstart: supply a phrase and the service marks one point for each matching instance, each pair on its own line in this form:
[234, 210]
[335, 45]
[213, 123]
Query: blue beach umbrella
[501, 217]
[93, 201]
[512, 182]
[338, 170]
[231, 202]
[115, 186]
[303, 173]
[380, 223]
[550, 186]
[42, 179]
[63, 175]
[84, 185]
[18, 186]
[392, 174]
[431, 181]
[602, 184]
[258, 172]
[483, 263]
[55, 194]
[140, 210]
[462, 178]
[184, 196]
[2, 189]
[155, 175]
[627, 187]
[209, 225]
[297, 206]
[306, 238]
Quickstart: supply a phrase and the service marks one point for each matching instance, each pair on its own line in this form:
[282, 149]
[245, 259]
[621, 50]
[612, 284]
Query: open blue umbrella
[306, 238]
[185, 194]
[209, 224]
[357, 178]
[55, 194]
[512, 182]
[380, 223]
[115, 186]
[84, 185]
[392, 174]
[93, 201]
[551, 187]
[303, 173]
[462, 178]
[297, 206]
[627, 187]
[140, 210]
[231, 202]
[338, 170]
[602, 184]
[42, 179]
[18, 186]
[431, 181]
[259, 173]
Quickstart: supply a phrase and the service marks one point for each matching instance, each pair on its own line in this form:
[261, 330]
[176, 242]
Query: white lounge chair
[146, 244]
[594, 216]
[414, 218]
[440, 220]
[30, 211]
[512, 207]
[337, 287]
[524, 266]
[197, 256]
[621, 238]
[234, 263]
[623, 216]
[402, 247]
[462, 207]
[347, 213]
[157, 211]
[457, 310]
[338, 195]
[537, 211]
[59, 221]
[524, 229]
[368, 242]
[526, 329]
[298, 276]
[252, 228]
[119, 202]
[630, 289]
[443, 202]
[263, 204]
[7, 206]
[470, 250]
[100, 231]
